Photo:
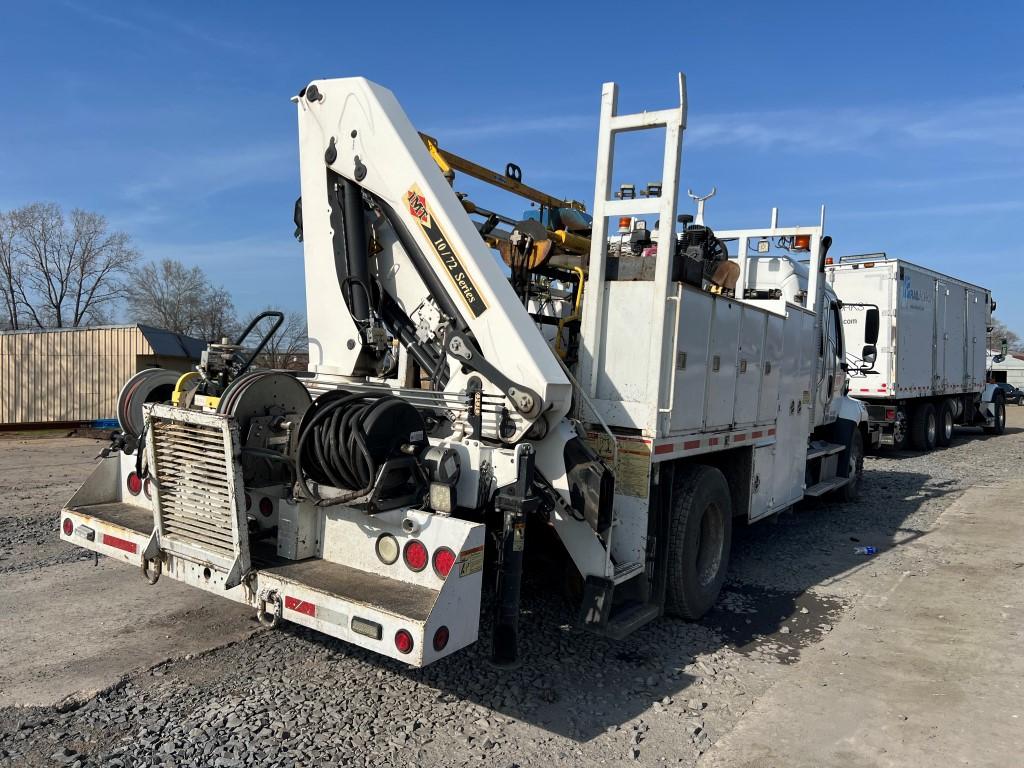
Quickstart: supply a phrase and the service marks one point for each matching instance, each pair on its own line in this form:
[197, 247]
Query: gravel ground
[38, 475]
[291, 697]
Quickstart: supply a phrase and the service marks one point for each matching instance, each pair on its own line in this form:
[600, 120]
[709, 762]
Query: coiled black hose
[332, 447]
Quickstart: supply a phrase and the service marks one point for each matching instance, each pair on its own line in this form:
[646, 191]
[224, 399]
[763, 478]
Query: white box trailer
[928, 373]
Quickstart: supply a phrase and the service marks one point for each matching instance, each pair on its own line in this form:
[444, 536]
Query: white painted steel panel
[761, 485]
[625, 331]
[721, 370]
[690, 364]
[792, 426]
[768, 400]
[748, 366]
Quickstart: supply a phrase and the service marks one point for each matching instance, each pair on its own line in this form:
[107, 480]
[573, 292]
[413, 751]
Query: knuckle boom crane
[449, 406]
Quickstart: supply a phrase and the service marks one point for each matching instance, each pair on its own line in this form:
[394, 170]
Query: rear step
[360, 588]
[630, 618]
[821, 448]
[626, 571]
[820, 489]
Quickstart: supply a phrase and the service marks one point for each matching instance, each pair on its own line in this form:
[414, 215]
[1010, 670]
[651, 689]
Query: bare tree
[60, 272]
[170, 295]
[999, 332]
[9, 267]
[288, 348]
[217, 320]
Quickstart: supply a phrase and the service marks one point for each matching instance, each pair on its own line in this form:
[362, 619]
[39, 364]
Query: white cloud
[210, 173]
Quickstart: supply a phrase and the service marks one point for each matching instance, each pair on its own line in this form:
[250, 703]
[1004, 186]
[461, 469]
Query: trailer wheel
[944, 436]
[699, 540]
[924, 427]
[855, 470]
[899, 430]
[1000, 416]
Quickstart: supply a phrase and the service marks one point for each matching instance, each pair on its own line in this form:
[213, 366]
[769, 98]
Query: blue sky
[905, 119]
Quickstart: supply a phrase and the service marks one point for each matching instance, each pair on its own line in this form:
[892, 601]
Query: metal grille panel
[193, 462]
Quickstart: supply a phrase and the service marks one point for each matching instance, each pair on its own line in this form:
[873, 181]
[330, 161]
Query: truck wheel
[924, 427]
[944, 436]
[700, 536]
[899, 430]
[855, 469]
[1000, 416]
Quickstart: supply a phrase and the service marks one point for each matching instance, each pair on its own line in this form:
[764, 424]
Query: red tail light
[444, 559]
[266, 507]
[134, 484]
[68, 526]
[890, 414]
[415, 555]
[248, 502]
[147, 488]
[440, 638]
[403, 641]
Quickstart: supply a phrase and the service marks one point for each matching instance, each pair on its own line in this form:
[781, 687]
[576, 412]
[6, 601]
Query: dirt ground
[814, 655]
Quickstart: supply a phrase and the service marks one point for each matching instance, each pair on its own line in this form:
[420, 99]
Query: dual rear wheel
[931, 425]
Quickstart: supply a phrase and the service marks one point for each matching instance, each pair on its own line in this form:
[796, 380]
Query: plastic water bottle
[865, 550]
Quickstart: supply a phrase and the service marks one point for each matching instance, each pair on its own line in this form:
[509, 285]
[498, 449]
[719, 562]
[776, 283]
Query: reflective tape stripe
[299, 606]
[122, 544]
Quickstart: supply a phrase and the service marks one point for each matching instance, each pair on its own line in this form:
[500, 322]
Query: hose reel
[361, 444]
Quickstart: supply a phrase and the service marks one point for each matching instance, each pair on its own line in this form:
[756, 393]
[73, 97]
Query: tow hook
[152, 568]
[269, 620]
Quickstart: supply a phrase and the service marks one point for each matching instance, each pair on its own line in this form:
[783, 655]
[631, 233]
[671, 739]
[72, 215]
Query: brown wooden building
[73, 375]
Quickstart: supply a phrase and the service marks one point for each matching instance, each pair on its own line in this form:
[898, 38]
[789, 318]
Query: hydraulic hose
[332, 448]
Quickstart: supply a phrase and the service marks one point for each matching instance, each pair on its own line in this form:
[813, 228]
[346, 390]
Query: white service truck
[926, 373]
[624, 407]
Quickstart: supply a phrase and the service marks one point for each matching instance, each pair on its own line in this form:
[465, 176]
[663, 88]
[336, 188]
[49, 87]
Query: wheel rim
[710, 544]
[899, 429]
[947, 425]
[930, 429]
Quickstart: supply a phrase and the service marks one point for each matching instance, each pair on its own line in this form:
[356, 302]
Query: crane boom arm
[441, 289]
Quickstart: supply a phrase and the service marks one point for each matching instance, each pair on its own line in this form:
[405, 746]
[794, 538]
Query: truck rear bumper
[363, 608]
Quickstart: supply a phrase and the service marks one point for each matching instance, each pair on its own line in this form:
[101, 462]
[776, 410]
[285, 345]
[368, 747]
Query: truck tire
[700, 535]
[900, 430]
[1000, 416]
[855, 469]
[944, 435]
[924, 427]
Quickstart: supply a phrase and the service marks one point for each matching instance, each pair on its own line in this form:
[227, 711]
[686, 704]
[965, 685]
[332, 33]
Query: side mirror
[871, 326]
[869, 354]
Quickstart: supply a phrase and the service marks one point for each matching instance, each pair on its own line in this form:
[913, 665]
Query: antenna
[699, 219]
